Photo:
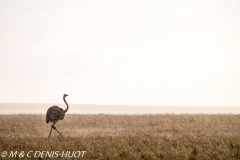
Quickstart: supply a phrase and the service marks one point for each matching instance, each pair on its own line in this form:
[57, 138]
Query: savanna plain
[150, 137]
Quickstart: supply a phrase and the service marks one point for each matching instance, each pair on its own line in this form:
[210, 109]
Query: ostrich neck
[66, 104]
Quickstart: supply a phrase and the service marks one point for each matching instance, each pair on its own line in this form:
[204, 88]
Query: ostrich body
[54, 114]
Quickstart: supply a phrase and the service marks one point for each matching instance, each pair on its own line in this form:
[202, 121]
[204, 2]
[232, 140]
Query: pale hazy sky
[169, 52]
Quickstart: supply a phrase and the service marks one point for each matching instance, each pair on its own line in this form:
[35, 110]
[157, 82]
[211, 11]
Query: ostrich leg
[50, 132]
[53, 126]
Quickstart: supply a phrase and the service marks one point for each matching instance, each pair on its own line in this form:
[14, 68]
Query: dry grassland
[133, 137]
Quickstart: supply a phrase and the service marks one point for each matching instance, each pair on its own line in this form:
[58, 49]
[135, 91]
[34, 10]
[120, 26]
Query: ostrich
[54, 114]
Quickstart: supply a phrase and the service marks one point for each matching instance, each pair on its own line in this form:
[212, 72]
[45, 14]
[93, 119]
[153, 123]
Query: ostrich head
[65, 95]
